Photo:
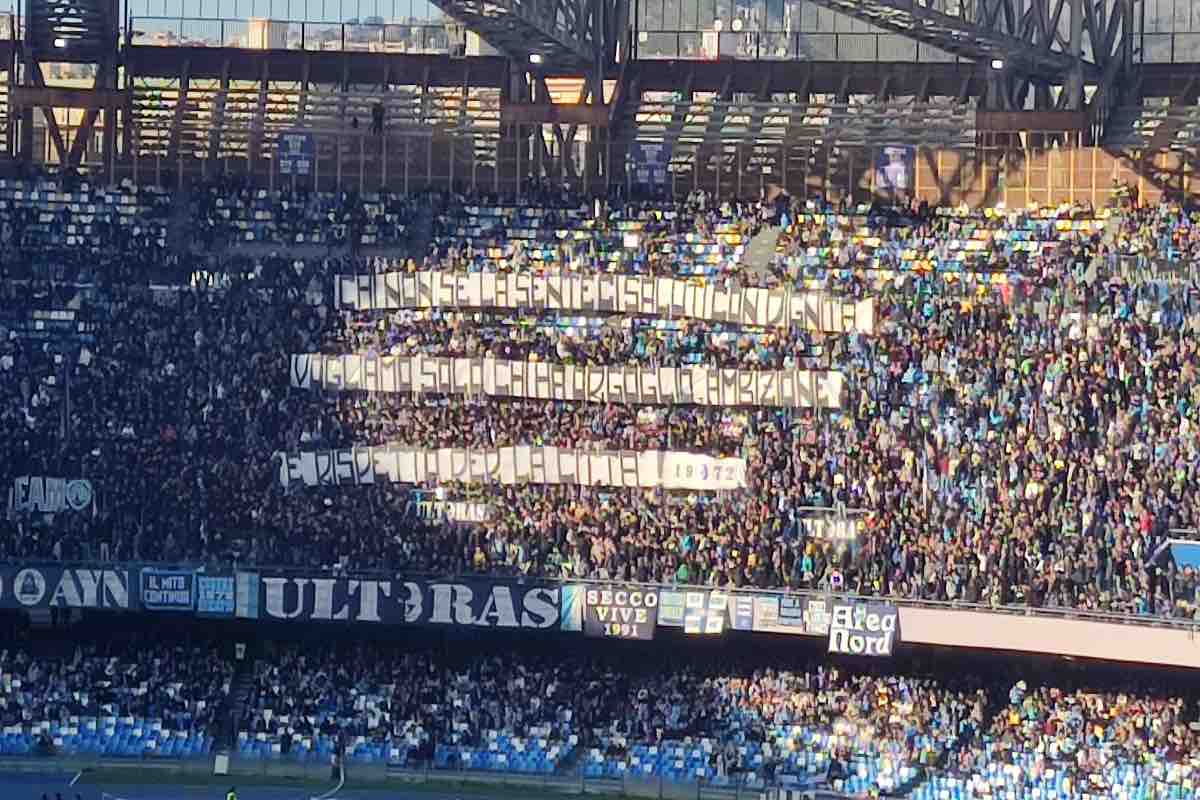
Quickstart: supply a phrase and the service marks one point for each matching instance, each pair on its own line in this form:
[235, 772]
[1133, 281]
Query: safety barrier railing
[417, 37]
[756, 45]
[1012, 609]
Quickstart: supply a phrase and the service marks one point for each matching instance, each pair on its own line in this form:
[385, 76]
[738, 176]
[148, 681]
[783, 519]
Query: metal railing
[784, 46]
[417, 37]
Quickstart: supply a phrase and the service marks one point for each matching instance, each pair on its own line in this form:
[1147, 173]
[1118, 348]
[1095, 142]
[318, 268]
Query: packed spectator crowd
[1021, 427]
[232, 212]
[605, 709]
[122, 695]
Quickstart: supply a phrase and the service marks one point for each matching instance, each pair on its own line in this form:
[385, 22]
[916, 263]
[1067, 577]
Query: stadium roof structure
[1020, 33]
[577, 35]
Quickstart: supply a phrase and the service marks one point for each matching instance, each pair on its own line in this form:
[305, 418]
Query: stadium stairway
[234, 707]
[761, 250]
[179, 223]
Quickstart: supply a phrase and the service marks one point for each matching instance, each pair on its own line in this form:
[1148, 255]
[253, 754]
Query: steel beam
[181, 101]
[1022, 33]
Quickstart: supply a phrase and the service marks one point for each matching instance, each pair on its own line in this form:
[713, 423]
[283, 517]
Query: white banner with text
[512, 466]
[670, 298]
[489, 377]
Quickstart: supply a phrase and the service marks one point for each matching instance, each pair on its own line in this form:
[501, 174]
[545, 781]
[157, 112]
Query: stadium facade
[1012, 101]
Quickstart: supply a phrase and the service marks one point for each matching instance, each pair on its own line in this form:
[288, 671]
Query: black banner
[862, 628]
[465, 602]
[620, 612]
[168, 589]
[68, 587]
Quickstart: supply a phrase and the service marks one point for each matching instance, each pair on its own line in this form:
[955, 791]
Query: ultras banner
[671, 298]
[68, 587]
[460, 602]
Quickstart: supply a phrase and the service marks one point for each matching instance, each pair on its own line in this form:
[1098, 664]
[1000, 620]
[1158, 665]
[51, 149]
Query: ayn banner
[65, 587]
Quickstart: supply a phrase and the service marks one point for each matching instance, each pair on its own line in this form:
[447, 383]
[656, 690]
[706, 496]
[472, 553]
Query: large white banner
[705, 386]
[606, 294]
[511, 466]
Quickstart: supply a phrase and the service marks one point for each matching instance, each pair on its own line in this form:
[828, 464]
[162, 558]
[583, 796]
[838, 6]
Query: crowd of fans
[231, 213]
[123, 695]
[678, 711]
[1021, 427]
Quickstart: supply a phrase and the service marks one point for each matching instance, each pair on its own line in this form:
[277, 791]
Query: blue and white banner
[741, 612]
[215, 595]
[296, 153]
[670, 608]
[168, 589]
[246, 605]
[570, 617]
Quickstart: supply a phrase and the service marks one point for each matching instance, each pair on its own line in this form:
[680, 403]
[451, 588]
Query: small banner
[215, 595]
[246, 600]
[40, 494]
[167, 589]
[620, 612]
[705, 613]
[741, 612]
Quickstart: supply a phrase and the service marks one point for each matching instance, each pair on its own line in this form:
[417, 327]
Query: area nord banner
[671, 298]
[633, 385]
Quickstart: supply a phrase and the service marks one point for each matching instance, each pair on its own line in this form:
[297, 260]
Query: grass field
[132, 783]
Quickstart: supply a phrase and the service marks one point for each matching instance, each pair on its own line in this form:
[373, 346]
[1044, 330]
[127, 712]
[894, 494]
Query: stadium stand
[788, 400]
[769, 716]
[117, 698]
[283, 217]
[990, 429]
